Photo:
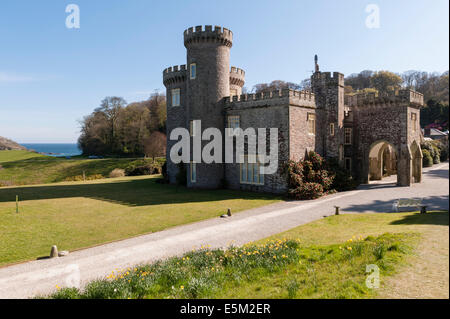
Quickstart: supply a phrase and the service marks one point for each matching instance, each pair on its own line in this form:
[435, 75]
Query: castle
[370, 135]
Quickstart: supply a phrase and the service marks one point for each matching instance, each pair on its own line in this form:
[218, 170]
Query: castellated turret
[197, 89]
[329, 92]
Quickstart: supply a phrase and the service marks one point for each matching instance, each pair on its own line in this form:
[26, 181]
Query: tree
[385, 81]
[111, 107]
[155, 145]
[275, 85]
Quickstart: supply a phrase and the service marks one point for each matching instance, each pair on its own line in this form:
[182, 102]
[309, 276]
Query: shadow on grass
[140, 192]
[431, 218]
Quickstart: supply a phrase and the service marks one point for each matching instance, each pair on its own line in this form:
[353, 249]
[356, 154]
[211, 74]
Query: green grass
[75, 215]
[278, 269]
[27, 168]
[300, 263]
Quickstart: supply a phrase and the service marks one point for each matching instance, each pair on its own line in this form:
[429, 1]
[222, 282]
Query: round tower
[208, 82]
[237, 81]
[174, 79]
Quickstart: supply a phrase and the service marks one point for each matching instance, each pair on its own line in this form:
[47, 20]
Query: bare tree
[155, 145]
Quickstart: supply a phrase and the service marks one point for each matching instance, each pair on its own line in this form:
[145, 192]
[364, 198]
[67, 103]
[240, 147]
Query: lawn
[75, 215]
[27, 168]
[300, 263]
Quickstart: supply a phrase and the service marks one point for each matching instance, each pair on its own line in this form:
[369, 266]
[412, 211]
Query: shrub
[427, 160]
[436, 154]
[443, 149]
[307, 191]
[117, 172]
[308, 179]
[148, 169]
[80, 178]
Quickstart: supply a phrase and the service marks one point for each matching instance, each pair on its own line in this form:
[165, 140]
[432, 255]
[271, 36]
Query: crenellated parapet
[174, 75]
[278, 97]
[208, 35]
[237, 77]
[405, 96]
[327, 78]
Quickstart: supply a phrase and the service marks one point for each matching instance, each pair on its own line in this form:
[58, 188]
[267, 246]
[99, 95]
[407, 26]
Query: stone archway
[382, 160]
[416, 162]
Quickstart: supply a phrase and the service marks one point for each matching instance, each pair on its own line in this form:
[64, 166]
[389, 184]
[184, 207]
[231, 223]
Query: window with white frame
[193, 172]
[331, 129]
[233, 122]
[193, 71]
[175, 97]
[311, 124]
[348, 136]
[250, 173]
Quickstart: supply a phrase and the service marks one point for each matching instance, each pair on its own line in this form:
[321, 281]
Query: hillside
[6, 144]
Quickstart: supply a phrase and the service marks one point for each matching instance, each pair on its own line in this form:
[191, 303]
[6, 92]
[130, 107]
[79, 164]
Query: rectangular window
[233, 122]
[192, 127]
[311, 124]
[250, 173]
[193, 71]
[348, 163]
[193, 173]
[331, 129]
[414, 122]
[348, 136]
[175, 97]
[233, 92]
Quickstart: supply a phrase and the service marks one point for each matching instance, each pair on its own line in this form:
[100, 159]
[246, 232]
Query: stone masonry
[372, 136]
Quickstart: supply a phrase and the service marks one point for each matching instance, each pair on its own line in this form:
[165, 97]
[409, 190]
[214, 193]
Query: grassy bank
[323, 259]
[257, 271]
[28, 168]
[74, 215]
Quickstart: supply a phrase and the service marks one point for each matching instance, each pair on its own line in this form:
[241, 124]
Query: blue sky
[51, 76]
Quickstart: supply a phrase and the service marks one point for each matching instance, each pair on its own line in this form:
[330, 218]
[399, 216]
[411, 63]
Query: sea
[52, 149]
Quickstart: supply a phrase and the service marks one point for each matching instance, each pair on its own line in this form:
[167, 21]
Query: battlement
[290, 97]
[174, 74]
[199, 34]
[400, 96]
[237, 76]
[329, 78]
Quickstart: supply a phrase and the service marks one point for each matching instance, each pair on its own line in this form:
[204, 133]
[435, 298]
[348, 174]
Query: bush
[148, 169]
[80, 178]
[427, 160]
[436, 154]
[117, 172]
[443, 149]
[308, 179]
[307, 191]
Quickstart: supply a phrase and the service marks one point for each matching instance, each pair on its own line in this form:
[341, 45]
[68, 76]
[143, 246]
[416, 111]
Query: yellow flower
[274, 257]
[181, 287]
[349, 248]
